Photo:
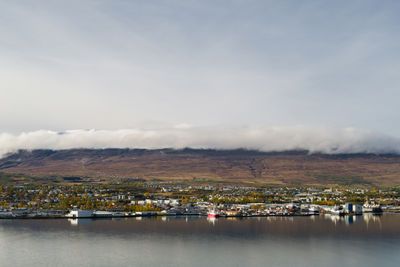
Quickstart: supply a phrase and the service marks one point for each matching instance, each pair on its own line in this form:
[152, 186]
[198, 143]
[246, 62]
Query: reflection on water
[349, 220]
[212, 220]
[366, 225]
[76, 221]
[335, 219]
[323, 240]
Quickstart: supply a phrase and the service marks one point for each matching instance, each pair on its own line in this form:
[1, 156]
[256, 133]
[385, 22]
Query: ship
[338, 211]
[372, 206]
[213, 213]
[313, 210]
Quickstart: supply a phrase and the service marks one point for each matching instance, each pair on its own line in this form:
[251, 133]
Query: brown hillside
[208, 165]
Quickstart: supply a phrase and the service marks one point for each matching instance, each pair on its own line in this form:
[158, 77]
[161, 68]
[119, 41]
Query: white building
[76, 213]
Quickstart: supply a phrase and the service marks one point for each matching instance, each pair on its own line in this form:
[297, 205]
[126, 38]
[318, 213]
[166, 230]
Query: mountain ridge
[231, 166]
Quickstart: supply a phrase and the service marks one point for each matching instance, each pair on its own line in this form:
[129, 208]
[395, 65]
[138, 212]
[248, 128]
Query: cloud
[315, 140]
[115, 64]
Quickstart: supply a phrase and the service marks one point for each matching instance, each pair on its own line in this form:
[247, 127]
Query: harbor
[206, 209]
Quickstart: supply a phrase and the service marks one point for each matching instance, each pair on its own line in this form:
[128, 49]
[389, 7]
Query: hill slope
[296, 167]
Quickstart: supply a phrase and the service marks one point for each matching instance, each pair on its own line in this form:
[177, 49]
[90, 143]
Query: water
[195, 241]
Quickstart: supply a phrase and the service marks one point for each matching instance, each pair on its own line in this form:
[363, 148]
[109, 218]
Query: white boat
[372, 206]
[338, 211]
[313, 210]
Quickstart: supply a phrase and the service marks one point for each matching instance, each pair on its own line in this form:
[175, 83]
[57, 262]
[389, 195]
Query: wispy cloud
[323, 140]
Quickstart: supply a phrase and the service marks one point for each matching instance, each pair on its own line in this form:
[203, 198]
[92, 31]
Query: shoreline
[182, 215]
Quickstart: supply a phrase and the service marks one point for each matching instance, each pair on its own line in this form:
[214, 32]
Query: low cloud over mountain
[315, 140]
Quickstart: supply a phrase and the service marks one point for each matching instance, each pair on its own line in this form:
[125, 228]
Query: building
[357, 209]
[76, 213]
[348, 207]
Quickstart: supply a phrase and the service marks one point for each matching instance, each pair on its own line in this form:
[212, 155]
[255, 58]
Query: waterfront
[323, 240]
[150, 199]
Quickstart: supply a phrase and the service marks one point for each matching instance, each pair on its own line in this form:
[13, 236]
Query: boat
[213, 214]
[372, 206]
[377, 209]
[313, 210]
[338, 211]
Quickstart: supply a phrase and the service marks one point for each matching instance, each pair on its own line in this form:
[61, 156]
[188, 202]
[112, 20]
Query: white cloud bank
[323, 140]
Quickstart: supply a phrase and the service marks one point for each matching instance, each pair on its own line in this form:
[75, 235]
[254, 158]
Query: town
[175, 199]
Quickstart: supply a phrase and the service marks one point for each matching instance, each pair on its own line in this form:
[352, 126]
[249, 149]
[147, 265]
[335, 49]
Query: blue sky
[135, 64]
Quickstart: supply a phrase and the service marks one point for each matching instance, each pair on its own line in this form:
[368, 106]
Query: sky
[203, 65]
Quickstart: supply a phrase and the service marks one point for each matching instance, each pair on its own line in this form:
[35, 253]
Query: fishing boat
[372, 206]
[338, 211]
[313, 210]
[213, 213]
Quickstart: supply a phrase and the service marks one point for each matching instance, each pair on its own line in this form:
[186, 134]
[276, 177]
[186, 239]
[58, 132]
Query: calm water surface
[195, 241]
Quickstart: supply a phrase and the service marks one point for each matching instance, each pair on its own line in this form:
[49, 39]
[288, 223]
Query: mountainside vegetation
[202, 166]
